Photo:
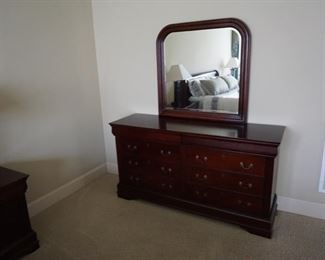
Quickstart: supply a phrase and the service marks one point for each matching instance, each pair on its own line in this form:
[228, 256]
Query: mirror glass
[203, 70]
[190, 53]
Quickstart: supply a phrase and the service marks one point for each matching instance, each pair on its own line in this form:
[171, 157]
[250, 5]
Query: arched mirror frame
[244, 32]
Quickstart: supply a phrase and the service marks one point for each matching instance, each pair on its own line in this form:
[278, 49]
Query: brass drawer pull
[163, 152]
[170, 170]
[249, 185]
[132, 147]
[200, 177]
[134, 163]
[197, 157]
[162, 168]
[246, 167]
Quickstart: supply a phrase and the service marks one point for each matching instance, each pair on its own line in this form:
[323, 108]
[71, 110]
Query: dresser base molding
[26, 245]
[254, 225]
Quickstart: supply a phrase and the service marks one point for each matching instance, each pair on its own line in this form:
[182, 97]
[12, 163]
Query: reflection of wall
[284, 88]
[50, 117]
[198, 51]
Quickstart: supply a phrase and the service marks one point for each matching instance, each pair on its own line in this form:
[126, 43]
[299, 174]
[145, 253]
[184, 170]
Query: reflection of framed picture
[322, 175]
[234, 51]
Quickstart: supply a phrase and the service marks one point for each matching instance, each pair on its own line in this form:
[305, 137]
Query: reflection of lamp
[233, 65]
[178, 72]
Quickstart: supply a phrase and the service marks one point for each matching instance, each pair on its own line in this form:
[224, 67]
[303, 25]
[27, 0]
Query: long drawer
[226, 200]
[224, 160]
[224, 180]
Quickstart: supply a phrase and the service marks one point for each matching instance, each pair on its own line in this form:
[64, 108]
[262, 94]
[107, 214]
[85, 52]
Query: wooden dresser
[16, 235]
[223, 171]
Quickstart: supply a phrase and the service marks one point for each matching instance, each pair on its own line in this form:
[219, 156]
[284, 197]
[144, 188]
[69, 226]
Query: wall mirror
[203, 70]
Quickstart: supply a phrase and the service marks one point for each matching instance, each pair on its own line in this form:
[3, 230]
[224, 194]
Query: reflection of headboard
[182, 92]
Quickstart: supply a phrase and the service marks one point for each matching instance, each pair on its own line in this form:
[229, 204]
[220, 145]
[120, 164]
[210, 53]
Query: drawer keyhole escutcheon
[243, 166]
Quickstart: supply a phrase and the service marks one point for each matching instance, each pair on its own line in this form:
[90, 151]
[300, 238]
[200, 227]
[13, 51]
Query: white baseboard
[301, 207]
[112, 168]
[65, 190]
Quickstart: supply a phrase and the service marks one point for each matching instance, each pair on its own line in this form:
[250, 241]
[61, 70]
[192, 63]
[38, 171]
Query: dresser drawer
[164, 152]
[135, 163]
[166, 185]
[241, 203]
[133, 146]
[225, 200]
[138, 179]
[224, 160]
[225, 180]
[166, 169]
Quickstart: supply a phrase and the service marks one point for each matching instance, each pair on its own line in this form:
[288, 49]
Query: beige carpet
[94, 224]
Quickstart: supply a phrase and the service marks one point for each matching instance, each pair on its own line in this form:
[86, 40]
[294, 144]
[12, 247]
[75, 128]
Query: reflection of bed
[225, 102]
[208, 92]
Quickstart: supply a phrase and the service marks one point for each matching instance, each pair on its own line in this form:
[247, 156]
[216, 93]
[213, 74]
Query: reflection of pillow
[214, 86]
[195, 88]
[231, 81]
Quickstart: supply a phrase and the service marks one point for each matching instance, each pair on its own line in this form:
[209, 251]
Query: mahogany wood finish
[244, 32]
[16, 235]
[221, 171]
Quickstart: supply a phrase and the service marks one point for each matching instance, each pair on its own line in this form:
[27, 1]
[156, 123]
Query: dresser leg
[260, 232]
[125, 193]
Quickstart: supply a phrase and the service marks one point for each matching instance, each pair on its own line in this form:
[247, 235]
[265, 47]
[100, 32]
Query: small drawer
[164, 152]
[133, 146]
[202, 176]
[203, 194]
[134, 163]
[166, 185]
[135, 178]
[166, 169]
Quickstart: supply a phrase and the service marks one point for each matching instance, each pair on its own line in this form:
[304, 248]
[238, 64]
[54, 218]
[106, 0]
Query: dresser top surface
[249, 132]
[8, 177]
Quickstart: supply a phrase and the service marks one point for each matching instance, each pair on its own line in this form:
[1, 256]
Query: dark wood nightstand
[16, 235]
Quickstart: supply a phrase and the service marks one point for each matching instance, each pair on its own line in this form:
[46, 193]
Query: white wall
[212, 52]
[50, 117]
[286, 88]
